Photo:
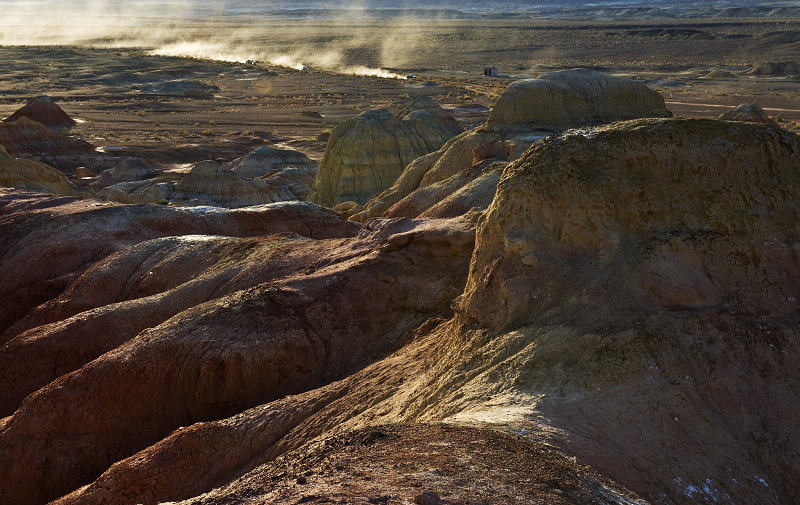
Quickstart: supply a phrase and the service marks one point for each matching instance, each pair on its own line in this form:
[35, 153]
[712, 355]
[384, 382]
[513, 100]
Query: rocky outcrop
[776, 68]
[560, 100]
[45, 111]
[748, 112]
[29, 139]
[528, 111]
[672, 314]
[51, 241]
[650, 341]
[147, 191]
[128, 170]
[269, 160]
[367, 153]
[209, 183]
[34, 176]
[202, 327]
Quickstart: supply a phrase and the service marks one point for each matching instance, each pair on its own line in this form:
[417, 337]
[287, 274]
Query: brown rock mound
[652, 265]
[49, 243]
[27, 138]
[579, 97]
[528, 111]
[270, 160]
[34, 176]
[127, 170]
[45, 111]
[209, 183]
[748, 112]
[285, 315]
[366, 154]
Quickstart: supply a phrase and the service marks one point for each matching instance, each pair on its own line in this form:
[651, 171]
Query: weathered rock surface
[528, 110]
[366, 154]
[302, 299]
[776, 68]
[34, 176]
[147, 191]
[651, 265]
[45, 111]
[210, 183]
[631, 301]
[28, 139]
[269, 160]
[49, 242]
[560, 100]
[128, 170]
[748, 112]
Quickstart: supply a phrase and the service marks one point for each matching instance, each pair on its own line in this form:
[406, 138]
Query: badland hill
[580, 300]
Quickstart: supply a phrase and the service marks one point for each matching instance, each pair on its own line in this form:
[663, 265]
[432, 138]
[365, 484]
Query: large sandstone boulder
[748, 112]
[580, 97]
[267, 160]
[528, 111]
[45, 111]
[32, 175]
[367, 153]
[128, 170]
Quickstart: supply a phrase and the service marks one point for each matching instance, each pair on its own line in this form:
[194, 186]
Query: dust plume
[223, 31]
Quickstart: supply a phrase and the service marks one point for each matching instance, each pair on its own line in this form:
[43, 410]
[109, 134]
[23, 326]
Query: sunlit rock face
[43, 110]
[367, 153]
[461, 173]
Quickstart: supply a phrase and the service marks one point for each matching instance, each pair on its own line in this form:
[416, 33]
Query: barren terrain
[559, 294]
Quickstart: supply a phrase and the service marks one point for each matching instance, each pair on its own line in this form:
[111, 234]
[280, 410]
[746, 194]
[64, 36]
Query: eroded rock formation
[528, 110]
[748, 112]
[128, 170]
[630, 299]
[269, 160]
[32, 175]
[29, 139]
[45, 111]
[367, 153]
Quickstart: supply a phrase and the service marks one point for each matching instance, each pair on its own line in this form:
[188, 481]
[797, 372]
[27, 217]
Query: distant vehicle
[490, 72]
[303, 68]
[410, 76]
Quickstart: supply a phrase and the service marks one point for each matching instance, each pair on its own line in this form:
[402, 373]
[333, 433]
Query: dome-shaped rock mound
[748, 112]
[43, 110]
[209, 183]
[128, 170]
[266, 160]
[560, 100]
[528, 111]
[27, 138]
[32, 175]
[367, 153]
